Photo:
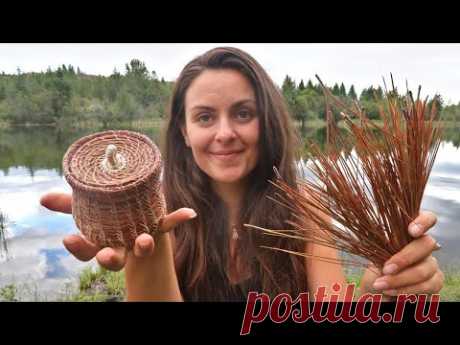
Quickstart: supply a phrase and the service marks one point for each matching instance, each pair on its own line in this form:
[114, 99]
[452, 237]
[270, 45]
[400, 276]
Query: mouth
[225, 155]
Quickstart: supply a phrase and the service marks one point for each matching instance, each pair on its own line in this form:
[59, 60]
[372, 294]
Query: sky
[436, 67]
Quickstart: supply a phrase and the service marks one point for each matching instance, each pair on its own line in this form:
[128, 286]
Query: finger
[412, 253]
[431, 286]
[143, 246]
[410, 276]
[113, 259]
[175, 218]
[422, 223]
[80, 247]
[369, 276]
[60, 202]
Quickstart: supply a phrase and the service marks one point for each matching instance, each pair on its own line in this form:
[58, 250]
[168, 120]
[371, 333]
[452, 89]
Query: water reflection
[30, 165]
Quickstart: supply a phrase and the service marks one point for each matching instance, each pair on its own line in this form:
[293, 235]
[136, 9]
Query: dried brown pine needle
[372, 193]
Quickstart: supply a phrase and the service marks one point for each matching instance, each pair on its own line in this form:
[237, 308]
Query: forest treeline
[65, 96]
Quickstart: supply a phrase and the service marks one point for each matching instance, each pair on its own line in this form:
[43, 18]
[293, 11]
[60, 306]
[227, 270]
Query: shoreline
[157, 122]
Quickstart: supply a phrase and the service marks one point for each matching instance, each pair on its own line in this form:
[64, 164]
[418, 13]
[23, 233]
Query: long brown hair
[202, 245]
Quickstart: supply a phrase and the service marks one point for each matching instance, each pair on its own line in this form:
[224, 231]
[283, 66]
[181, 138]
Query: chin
[227, 176]
[227, 179]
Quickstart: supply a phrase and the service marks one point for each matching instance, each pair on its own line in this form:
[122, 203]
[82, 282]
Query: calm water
[30, 165]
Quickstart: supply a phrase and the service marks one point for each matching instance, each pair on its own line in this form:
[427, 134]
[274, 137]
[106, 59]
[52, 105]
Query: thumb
[175, 218]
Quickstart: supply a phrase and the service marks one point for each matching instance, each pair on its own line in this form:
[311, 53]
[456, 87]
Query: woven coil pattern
[113, 204]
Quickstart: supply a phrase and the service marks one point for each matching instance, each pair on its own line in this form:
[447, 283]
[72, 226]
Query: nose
[225, 130]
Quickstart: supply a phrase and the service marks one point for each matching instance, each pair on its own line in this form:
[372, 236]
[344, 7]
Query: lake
[37, 262]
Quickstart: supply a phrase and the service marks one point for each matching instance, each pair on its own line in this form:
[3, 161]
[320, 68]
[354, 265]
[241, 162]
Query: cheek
[252, 136]
[199, 141]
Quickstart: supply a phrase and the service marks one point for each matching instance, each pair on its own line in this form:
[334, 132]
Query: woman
[228, 127]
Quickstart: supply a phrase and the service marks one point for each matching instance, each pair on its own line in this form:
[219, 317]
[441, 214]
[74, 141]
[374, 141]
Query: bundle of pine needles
[362, 202]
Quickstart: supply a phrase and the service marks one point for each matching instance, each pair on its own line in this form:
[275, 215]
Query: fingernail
[415, 229]
[192, 213]
[380, 284]
[144, 244]
[69, 241]
[437, 246]
[390, 269]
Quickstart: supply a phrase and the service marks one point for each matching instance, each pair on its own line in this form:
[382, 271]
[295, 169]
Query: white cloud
[20, 196]
[28, 266]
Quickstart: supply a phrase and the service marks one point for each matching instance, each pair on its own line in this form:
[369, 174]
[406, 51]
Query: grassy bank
[449, 293]
[99, 285]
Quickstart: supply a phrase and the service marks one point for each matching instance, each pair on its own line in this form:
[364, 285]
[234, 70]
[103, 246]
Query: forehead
[224, 85]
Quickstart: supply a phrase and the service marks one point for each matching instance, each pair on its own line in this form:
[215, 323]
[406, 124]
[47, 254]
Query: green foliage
[8, 293]
[2, 92]
[352, 93]
[307, 103]
[451, 288]
[342, 91]
[64, 97]
[67, 97]
[336, 90]
[99, 285]
[301, 85]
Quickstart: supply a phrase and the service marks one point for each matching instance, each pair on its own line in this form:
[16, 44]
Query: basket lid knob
[112, 159]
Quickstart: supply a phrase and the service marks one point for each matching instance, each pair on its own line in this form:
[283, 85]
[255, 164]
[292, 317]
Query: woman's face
[222, 125]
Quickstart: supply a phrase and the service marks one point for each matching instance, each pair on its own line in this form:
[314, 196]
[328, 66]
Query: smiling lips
[226, 155]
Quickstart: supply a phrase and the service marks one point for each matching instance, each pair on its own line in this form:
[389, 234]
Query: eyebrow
[236, 104]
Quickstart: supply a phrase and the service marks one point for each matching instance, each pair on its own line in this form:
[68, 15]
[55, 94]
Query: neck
[232, 196]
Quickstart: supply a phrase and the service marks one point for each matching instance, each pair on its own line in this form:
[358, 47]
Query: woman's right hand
[113, 259]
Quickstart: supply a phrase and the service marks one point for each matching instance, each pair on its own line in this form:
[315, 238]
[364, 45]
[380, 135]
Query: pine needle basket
[116, 181]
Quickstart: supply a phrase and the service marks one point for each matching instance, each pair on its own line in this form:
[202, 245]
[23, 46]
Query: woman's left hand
[413, 270]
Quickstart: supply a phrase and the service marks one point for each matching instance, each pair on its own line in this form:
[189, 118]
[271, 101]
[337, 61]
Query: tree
[126, 106]
[367, 94]
[289, 92]
[301, 85]
[115, 74]
[20, 82]
[352, 93]
[336, 90]
[137, 69]
[60, 93]
[370, 108]
[288, 85]
[379, 92]
[304, 106]
[438, 102]
[342, 91]
[2, 92]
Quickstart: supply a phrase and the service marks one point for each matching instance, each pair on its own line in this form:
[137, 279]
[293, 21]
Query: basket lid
[111, 161]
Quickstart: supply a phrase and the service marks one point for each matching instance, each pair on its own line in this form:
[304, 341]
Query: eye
[204, 118]
[244, 114]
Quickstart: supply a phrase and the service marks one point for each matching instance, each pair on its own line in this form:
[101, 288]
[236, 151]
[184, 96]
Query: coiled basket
[116, 181]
